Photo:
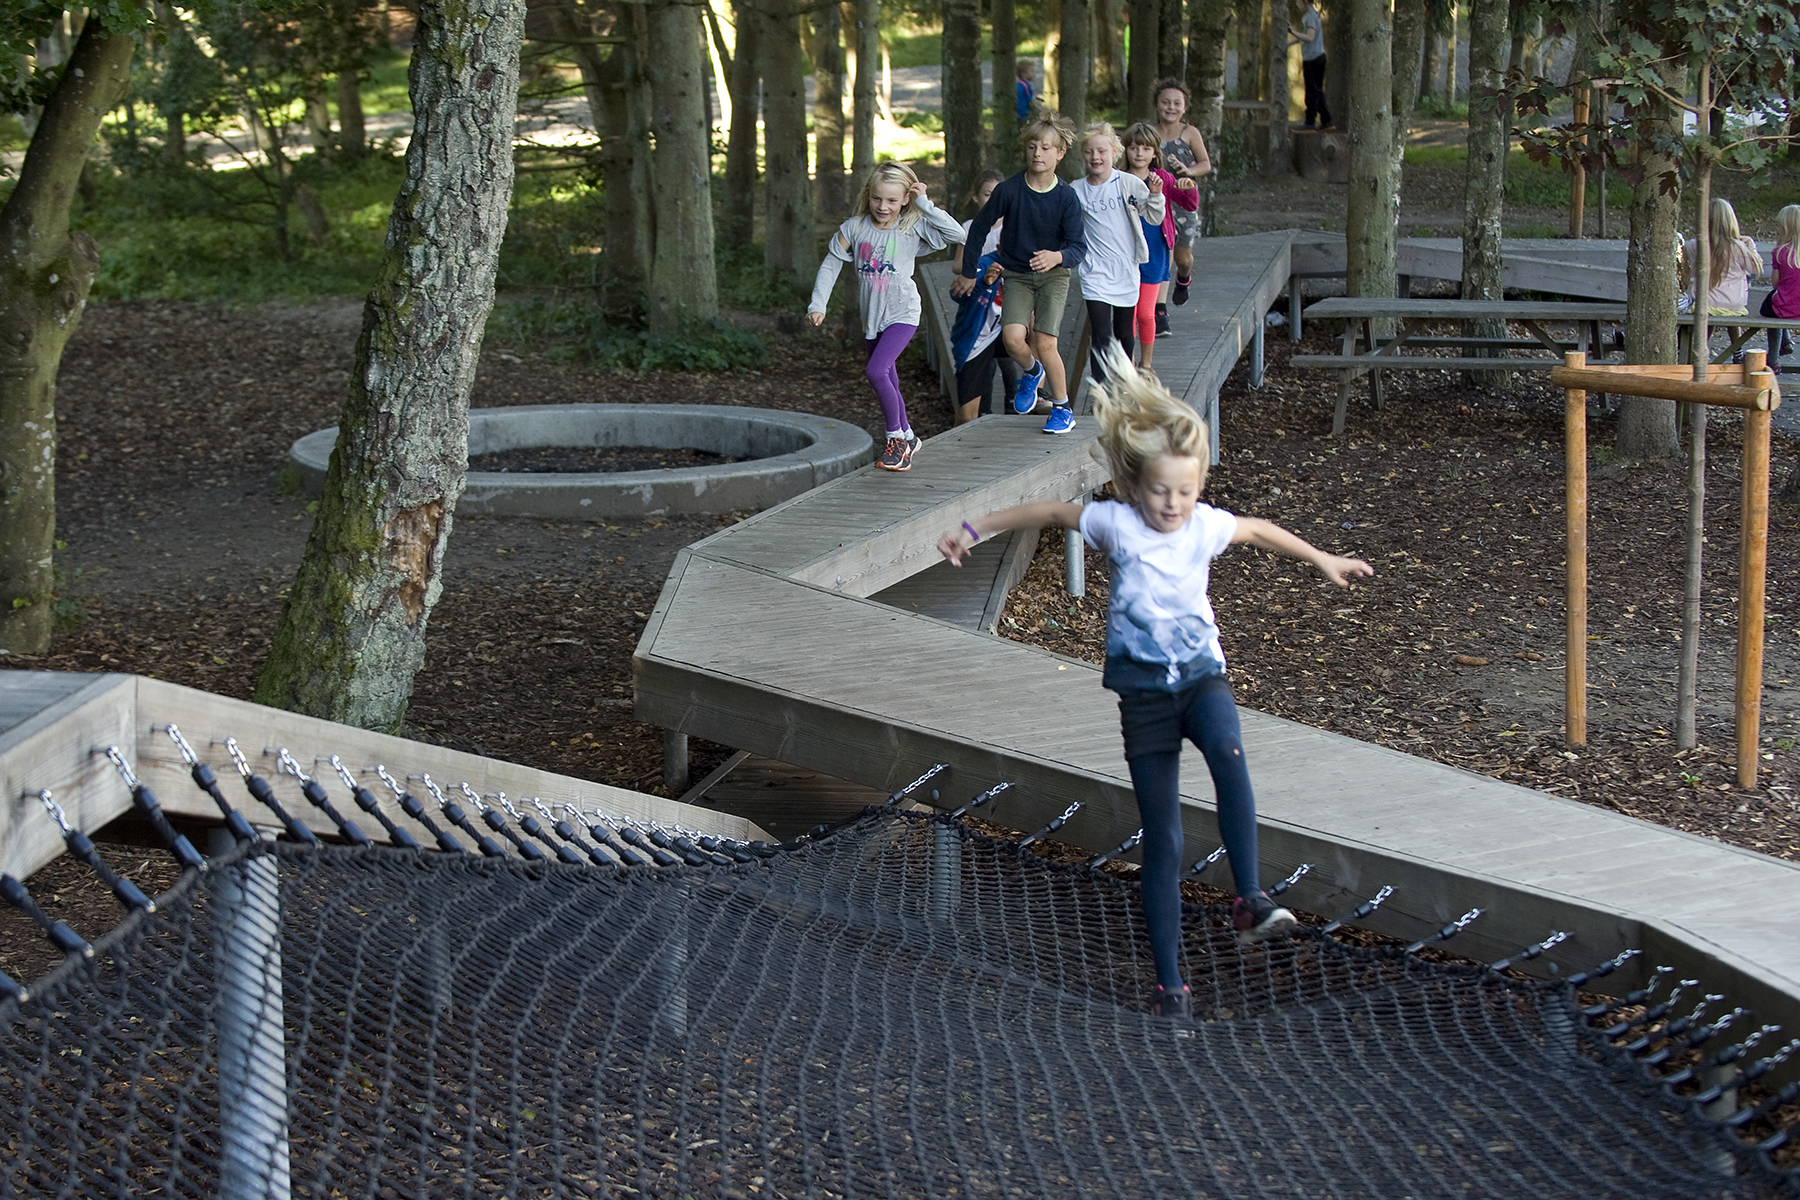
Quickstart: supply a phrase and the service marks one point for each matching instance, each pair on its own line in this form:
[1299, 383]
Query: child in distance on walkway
[1185, 157]
[1044, 237]
[893, 218]
[975, 333]
[1162, 643]
[1143, 158]
[1116, 207]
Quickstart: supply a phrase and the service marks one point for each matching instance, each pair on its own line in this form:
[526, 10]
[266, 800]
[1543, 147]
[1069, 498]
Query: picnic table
[1744, 328]
[1365, 351]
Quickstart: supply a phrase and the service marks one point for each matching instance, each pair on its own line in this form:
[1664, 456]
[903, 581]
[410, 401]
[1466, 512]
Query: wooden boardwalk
[774, 637]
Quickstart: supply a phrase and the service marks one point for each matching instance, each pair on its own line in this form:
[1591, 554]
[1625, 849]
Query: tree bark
[1072, 70]
[1048, 86]
[1249, 40]
[1109, 50]
[352, 633]
[45, 274]
[790, 247]
[868, 71]
[1006, 65]
[1279, 93]
[1484, 183]
[961, 74]
[1410, 36]
[1143, 65]
[1337, 60]
[1373, 215]
[683, 286]
[1206, 87]
[1647, 427]
[625, 165]
[353, 137]
[828, 106]
[737, 215]
[1171, 41]
[1433, 65]
[318, 117]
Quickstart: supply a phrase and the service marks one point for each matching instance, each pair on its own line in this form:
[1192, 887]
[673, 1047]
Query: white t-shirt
[1110, 271]
[1160, 631]
[990, 328]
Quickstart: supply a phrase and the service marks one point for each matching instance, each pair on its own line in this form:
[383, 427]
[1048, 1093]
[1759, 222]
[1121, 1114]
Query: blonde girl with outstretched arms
[1162, 643]
[893, 219]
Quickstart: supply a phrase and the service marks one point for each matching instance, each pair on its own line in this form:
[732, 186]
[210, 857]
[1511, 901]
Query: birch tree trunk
[1072, 71]
[1143, 62]
[962, 99]
[1374, 200]
[868, 73]
[1171, 42]
[45, 274]
[1005, 109]
[352, 633]
[737, 215]
[1484, 184]
[828, 107]
[789, 240]
[1647, 428]
[1206, 87]
[683, 285]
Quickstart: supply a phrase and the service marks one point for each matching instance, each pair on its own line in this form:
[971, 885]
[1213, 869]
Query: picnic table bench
[1365, 351]
[1746, 328]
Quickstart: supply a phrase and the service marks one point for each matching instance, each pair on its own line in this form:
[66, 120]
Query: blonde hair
[1140, 421]
[1787, 233]
[891, 172]
[1104, 129]
[1051, 127]
[1729, 247]
[1143, 133]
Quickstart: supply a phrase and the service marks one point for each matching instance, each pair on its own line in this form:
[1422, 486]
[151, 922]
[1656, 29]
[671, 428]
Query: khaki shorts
[1035, 300]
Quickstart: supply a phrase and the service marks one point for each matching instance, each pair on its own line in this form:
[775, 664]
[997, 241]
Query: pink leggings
[1146, 312]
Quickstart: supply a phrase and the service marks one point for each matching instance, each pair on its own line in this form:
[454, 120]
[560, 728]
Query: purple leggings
[884, 349]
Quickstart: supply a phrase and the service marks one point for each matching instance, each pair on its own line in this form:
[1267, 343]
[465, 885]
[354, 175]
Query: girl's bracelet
[973, 536]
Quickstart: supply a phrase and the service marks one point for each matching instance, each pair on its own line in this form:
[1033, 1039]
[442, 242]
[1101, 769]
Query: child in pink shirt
[1784, 301]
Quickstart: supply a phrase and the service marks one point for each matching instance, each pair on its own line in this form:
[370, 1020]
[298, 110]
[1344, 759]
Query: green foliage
[924, 122]
[23, 82]
[579, 330]
[745, 285]
[1439, 109]
[1232, 157]
[553, 232]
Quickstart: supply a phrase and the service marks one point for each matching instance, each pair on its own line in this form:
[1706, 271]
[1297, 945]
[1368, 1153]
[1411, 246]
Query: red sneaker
[896, 455]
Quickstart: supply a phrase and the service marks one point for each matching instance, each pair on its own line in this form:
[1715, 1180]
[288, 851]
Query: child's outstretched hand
[1184, 184]
[817, 318]
[954, 545]
[1339, 570]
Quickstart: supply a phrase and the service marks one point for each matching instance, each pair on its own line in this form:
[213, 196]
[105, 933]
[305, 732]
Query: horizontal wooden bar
[1421, 362]
[1722, 395]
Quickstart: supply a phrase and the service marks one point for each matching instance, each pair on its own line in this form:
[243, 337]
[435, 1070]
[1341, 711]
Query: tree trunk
[353, 137]
[1006, 67]
[828, 106]
[737, 215]
[1428, 73]
[790, 243]
[1515, 51]
[318, 117]
[1410, 36]
[1484, 183]
[1647, 427]
[1337, 60]
[45, 274]
[962, 99]
[868, 67]
[1171, 42]
[1279, 94]
[1249, 40]
[1072, 70]
[175, 140]
[683, 287]
[1143, 65]
[1048, 93]
[1109, 50]
[352, 633]
[1374, 199]
[1206, 86]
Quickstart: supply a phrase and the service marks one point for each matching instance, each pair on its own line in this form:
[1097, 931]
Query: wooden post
[1753, 561]
[1578, 173]
[1575, 574]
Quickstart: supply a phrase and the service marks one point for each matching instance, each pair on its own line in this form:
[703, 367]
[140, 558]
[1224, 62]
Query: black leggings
[1777, 337]
[1110, 323]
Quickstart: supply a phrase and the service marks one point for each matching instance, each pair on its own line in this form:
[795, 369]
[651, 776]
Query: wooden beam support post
[1753, 563]
[1575, 575]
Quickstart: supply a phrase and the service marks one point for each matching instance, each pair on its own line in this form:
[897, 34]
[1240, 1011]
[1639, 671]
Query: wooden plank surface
[959, 595]
[1423, 362]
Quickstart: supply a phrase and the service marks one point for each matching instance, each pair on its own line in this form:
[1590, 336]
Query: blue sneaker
[1025, 398]
[1062, 419]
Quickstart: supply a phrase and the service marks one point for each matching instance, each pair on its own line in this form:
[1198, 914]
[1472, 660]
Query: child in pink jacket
[1143, 156]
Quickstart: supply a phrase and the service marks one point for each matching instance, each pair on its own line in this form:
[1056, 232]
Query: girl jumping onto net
[1162, 643]
[893, 218]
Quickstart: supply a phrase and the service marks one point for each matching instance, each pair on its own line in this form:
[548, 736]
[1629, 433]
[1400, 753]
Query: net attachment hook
[980, 800]
[237, 757]
[1200, 864]
[1056, 824]
[187, 752]
[1362, 910]
[936, 770]
[1447, 932]
[56, 812]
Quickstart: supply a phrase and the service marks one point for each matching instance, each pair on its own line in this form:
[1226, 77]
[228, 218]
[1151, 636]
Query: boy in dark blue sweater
[1043, 235]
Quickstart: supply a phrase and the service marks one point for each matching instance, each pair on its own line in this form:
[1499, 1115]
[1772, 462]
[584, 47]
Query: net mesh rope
[902, 1008]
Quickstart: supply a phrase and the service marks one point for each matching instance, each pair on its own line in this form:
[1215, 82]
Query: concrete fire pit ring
[788, 453]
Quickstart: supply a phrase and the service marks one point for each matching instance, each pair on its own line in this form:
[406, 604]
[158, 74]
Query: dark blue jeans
[1155, 724]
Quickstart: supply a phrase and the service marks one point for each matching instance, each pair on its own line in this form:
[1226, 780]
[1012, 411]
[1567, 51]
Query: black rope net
[902, 1007]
